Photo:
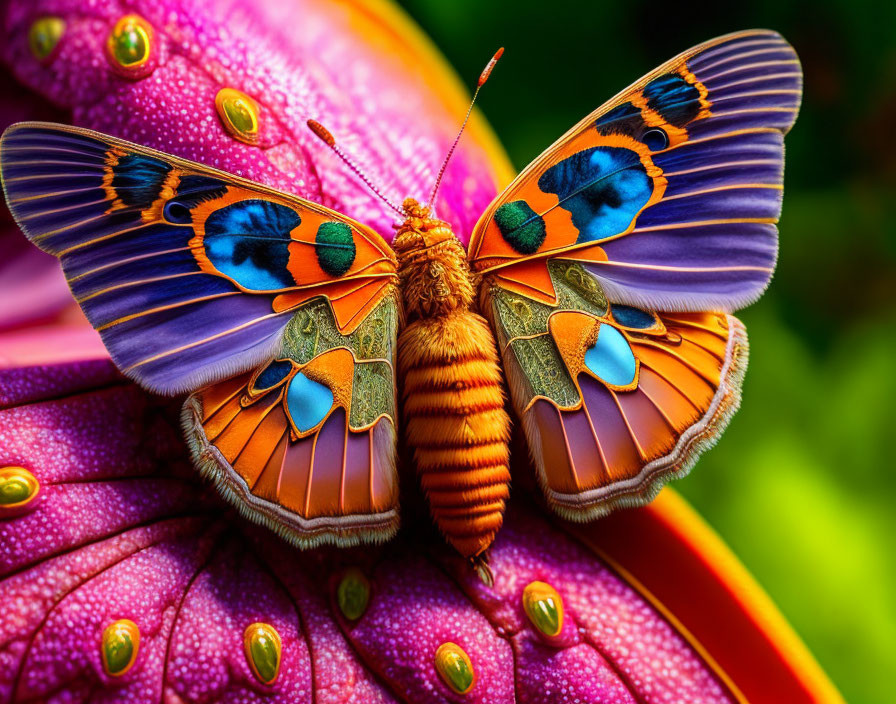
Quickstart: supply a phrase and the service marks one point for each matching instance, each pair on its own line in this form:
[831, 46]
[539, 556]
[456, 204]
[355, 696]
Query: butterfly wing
[669, 193]
[306, 443]
[614, 399]
[664, 199]
[189, 274]
[192, 276]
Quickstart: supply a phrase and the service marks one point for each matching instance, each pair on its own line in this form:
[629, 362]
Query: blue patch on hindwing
[633, 317]
[610, 358]
[307, 401]
[248, 241]
[603, 188]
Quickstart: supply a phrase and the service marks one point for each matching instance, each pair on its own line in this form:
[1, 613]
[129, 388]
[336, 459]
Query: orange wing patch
[330, 483]
[270, 246]
[622, 443]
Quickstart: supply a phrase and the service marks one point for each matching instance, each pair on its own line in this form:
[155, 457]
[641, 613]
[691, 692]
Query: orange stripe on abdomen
[456, 425]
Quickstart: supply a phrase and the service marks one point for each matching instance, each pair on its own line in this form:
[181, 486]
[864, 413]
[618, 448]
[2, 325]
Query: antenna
[483, 77]
[327, 138]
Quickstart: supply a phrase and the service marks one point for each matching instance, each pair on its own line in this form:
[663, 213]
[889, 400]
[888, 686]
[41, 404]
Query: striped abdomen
[456, 425]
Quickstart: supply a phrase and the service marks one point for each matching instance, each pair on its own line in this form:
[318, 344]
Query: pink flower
[125, 578]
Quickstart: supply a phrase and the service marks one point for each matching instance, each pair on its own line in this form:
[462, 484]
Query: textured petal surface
[360, 68]
[122, 529]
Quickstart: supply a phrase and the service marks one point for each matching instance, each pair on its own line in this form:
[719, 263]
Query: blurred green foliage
[802, 486]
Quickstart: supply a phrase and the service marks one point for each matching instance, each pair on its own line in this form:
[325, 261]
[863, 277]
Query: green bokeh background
[802, 485]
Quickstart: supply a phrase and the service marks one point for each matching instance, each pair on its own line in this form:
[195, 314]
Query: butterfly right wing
[599, 259]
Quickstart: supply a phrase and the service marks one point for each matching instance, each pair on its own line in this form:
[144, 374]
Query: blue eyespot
[610, 358]
[655, 139]
[633, 317]
[272, 374]
[307, 402]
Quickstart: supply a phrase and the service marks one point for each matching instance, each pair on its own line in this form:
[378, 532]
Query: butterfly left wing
[664, 199]
[189, 274]
[192, 276]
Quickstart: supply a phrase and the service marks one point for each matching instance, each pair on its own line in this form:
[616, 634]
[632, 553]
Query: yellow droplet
[239, 113]
[18, 487]
[44, 35]
[121, 641]
[544, 607]
[353, 594]
[455, 668]
[130, 42]
[263, 647]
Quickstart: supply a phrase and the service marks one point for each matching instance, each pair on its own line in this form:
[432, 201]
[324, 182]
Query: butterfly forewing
[669, 193]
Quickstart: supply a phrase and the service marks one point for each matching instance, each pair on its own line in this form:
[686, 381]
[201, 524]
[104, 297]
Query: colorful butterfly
[604, 275]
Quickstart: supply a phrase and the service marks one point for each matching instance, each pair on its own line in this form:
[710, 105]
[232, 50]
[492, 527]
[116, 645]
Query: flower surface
[125, 578]
[122, 528]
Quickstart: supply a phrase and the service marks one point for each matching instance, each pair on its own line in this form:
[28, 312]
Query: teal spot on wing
[308, 402]
[521, 227]
[676, 100]
[603, 188]
[137, 179]
[335, 248]
[611, 358]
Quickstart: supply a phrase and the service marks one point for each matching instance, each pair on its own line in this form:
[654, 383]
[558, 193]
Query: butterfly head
[432, 264]
[419, 220]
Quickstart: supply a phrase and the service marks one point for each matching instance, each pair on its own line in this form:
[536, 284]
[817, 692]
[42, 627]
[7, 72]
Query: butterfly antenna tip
[327, 138]
[483, 77]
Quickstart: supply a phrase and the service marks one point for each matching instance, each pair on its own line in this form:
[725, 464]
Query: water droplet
[353, 594]
[18, 487]
[239, 113]
[44, 35]
[130, 42]
[121, 641]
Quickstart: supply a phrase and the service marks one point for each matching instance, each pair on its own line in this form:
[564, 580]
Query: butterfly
[597, 289]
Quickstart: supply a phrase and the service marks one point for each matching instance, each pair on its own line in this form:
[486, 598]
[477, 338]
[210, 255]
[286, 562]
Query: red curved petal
[684, 568]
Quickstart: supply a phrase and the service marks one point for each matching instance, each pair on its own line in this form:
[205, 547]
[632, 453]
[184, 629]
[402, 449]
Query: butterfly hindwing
[189, 274]
[306, 443]
[669, 193]
[615, 400]
[279, 314]
[598, 259]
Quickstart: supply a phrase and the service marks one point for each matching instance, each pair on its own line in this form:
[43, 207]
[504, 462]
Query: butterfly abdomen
[456, 425]
[454, 417]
